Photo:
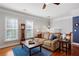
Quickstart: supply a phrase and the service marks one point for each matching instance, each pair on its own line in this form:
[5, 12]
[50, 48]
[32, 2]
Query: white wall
[75, 12]
[39, 23]
[63, 23]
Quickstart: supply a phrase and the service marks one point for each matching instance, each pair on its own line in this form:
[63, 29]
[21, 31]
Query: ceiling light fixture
[45, 5]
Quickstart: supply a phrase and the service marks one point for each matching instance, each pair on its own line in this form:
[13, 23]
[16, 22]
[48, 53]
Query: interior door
[76, 29]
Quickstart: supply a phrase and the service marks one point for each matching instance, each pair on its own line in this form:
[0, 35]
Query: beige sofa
[47, 43]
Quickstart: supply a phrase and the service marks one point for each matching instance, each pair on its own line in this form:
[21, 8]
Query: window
[29, 29]
[11, 29]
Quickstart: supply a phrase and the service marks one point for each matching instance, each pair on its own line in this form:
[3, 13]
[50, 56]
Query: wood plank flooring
[7, 51]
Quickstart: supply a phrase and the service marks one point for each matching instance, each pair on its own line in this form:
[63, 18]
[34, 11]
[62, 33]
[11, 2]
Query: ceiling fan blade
[44, 6]
[56, 3]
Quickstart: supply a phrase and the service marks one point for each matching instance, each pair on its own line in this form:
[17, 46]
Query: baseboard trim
[13, 44]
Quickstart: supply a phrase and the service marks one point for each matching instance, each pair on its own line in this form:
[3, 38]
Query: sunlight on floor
[9, 53]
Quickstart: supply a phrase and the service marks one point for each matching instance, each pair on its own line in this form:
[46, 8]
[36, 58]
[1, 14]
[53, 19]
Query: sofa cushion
[46, 35]
[52, 36]
[36, 39]
[40, 40]
[58, 35]
[47, 43]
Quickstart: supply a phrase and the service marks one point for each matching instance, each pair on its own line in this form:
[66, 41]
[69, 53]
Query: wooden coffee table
[31, 46]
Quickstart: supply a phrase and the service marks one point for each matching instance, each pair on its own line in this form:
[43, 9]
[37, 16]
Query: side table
[66, 43]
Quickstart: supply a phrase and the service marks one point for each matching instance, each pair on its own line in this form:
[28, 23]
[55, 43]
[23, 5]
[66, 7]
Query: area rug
[19, 51]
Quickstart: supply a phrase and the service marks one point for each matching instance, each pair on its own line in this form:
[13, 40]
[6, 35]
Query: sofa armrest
[54, 43]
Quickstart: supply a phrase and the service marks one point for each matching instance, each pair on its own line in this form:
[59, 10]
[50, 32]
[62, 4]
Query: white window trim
[9, 28]
[28, 28]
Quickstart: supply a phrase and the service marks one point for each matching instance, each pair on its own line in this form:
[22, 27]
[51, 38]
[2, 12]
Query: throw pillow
[52, 37]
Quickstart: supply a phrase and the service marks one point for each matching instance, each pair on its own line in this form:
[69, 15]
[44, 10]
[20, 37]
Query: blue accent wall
[76, 29]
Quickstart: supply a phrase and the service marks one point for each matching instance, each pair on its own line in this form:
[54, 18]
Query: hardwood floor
[75, 50]
[8, 52]
[62, 53]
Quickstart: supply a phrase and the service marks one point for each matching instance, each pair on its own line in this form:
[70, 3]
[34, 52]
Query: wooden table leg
[29, 52]
[59, 46]
[62, 46]
[40, 48]
[22, 45]
[66, 48]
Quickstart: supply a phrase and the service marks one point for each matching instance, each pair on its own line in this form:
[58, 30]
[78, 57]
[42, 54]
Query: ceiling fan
[44, 5]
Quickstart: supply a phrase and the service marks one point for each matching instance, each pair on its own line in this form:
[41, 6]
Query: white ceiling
[36, 8]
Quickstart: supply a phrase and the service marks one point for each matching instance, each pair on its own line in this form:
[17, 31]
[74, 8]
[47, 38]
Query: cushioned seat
[47, 43]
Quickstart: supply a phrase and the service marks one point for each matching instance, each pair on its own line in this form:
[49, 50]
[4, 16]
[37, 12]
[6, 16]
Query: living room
[37, 21]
